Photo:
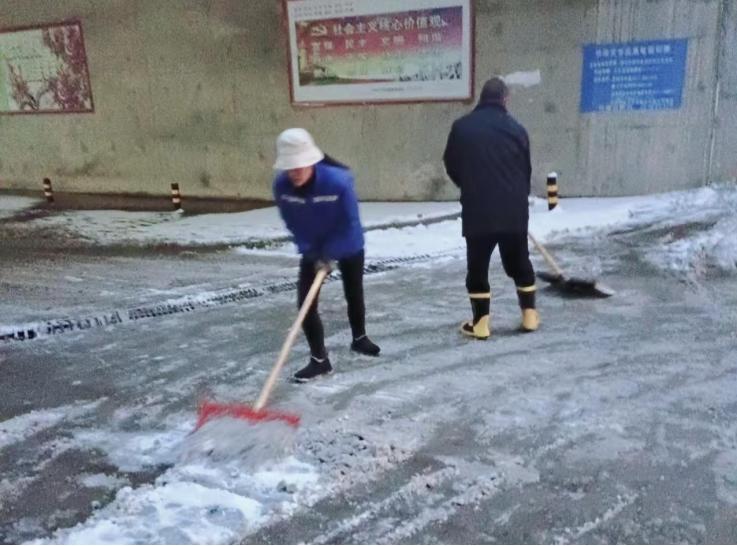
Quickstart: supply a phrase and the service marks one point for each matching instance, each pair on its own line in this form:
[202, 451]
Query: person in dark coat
[488, 157]
[317, 201]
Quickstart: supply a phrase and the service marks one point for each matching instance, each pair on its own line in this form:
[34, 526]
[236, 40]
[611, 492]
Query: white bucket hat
[295, 149]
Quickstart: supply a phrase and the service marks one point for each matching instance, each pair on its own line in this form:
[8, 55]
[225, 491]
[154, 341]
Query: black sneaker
[315, 368]
[365, 346]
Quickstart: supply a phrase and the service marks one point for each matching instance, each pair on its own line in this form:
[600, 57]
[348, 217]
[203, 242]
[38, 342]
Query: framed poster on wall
[374, 51]
[43, 69]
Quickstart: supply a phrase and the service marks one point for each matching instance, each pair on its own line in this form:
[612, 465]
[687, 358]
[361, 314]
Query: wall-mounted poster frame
[379, 51]
[633, 76]
[43, 69]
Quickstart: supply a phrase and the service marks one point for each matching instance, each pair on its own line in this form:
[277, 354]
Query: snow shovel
[209, 410]
[569, 285]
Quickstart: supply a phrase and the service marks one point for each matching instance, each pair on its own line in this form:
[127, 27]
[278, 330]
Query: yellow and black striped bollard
[176, 197]
[48, 192]
[552, 190]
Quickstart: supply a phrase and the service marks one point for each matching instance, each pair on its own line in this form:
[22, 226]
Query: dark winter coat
[488, 157]
[322, 215]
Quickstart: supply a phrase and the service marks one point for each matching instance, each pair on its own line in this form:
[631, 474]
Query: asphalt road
[613, 423]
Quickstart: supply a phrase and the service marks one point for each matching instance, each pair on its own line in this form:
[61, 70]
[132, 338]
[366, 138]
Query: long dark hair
[335, 163]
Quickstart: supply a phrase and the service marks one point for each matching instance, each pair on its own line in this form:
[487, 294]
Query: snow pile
[700, 225]
[108, 227]
[714, 248]
[192, 504]
[386, 238]
[572, 216]
[11, 205]
[700, 232]
[414, 240]
[435, 239]
[200, 499]
[219, 497]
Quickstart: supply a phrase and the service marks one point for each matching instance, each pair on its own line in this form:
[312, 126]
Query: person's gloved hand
[323, 263]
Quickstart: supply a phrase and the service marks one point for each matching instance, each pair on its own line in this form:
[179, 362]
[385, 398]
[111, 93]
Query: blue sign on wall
[633, 76]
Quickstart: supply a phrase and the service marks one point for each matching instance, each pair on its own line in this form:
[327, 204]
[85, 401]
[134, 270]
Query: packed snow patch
[698, 232]
[195, 503]
[714, 248]
[11, 205]
[108, 227]
[24, 426]
[105, 481]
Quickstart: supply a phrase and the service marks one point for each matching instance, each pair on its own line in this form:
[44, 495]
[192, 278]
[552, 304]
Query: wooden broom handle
[311, 295]
[548, 258]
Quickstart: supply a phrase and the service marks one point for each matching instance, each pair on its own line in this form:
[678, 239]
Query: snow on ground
[570, 217]
[12, 204]
[200, 499]
[716, 247]
[393, 242]
[107, 227]
[21, 427]
[574, 215]
[195, 501]
[209, 499]
[706, 236]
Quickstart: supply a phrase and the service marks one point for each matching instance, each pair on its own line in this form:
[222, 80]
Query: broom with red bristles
[209, 409]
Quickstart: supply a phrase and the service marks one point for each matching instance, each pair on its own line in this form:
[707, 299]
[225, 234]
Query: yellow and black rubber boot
[530, 316]
[478, 327]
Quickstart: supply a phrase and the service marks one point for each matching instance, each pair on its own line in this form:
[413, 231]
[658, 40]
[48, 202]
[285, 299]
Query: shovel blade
[576, 286]
[209, 410]
[587, 288]
[550, 278]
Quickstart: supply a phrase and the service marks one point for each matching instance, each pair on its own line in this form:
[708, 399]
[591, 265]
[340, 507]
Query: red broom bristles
[209, 410]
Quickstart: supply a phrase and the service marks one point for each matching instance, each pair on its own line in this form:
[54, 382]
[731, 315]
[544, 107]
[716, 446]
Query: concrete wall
[195, 91]
[724, 139]
[643, 152]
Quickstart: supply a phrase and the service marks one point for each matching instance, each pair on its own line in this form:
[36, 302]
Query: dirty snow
[107, 227]
[12, 204]
[199, 500]
[715, 248]
[19, 428]
[718, 247]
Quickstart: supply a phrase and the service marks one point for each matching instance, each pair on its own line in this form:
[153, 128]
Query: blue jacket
[323, 215]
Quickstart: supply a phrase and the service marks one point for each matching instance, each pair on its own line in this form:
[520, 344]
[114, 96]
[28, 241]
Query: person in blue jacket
[317, 201]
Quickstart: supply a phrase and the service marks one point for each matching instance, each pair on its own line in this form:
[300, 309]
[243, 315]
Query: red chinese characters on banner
[362, 51]
[370, 36]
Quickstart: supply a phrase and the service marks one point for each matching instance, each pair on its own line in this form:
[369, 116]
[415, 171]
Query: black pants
[351, 269]
[515, 259]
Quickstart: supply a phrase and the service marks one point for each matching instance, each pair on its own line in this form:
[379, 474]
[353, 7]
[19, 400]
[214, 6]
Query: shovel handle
[287, 346]
[548, 258]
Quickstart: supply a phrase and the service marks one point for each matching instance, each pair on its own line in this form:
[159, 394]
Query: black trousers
[351, 269]
[515, 259]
